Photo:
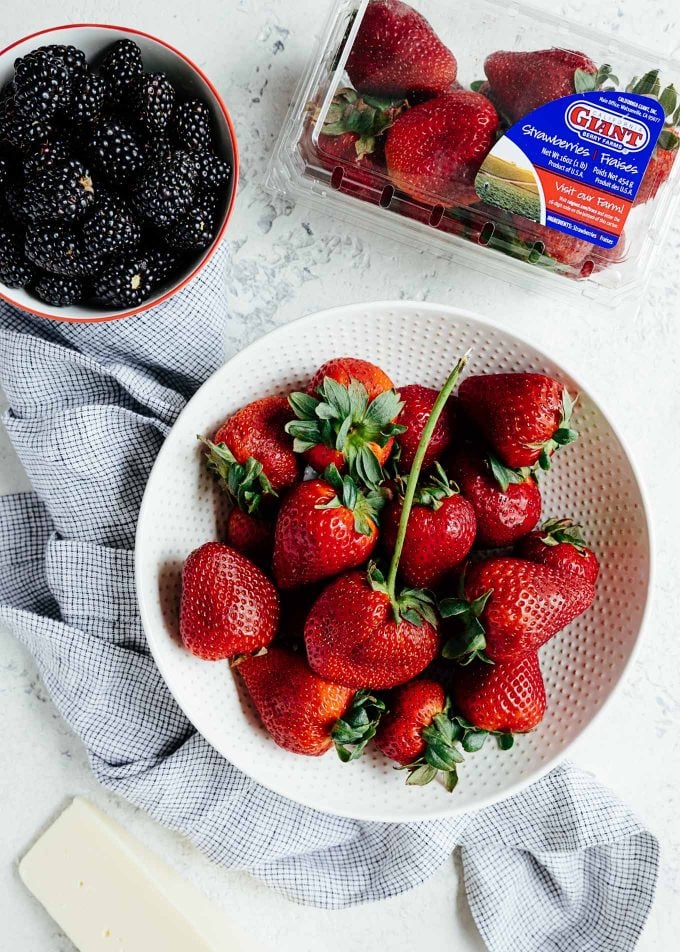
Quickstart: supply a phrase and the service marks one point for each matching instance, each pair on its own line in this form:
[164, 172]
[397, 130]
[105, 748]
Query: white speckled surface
[290, 262]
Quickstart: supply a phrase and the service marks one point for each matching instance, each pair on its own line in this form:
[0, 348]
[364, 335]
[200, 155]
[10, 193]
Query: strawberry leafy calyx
[448, 737]
[414, 605]
[650, 85]
[358, 725]
[364, 506]
[586, 82]
[366, 116]
[469, 641]
[435, 490]
[504, 475]
[441, 755]
[562, 436]
[556, 531]
[344, 419]
[246, 484]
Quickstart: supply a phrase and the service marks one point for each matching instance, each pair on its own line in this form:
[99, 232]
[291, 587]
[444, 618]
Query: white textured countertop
[287, 263]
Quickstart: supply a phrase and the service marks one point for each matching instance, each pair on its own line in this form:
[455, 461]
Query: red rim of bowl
[232, 134]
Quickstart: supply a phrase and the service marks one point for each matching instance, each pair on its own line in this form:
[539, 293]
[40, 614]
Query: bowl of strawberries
[403, 567]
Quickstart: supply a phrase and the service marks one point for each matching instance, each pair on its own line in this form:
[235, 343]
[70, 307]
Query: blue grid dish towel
[562, 866]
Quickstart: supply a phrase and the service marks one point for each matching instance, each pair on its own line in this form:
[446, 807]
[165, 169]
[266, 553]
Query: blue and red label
[575, 164]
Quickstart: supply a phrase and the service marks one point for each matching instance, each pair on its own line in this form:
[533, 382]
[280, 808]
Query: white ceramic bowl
[593, 481]
[158, 56]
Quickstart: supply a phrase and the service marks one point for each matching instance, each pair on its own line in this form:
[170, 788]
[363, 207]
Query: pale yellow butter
[109, 893]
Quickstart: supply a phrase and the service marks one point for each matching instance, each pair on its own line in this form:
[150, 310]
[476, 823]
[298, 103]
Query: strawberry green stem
[414, 475]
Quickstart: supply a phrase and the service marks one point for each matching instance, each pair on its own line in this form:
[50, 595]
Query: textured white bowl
[157, 55]
[592, 481]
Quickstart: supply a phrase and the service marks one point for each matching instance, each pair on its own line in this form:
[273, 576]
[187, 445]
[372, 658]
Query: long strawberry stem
[414, 475]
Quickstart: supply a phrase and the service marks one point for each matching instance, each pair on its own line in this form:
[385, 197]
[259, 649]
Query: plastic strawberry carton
[492, 134]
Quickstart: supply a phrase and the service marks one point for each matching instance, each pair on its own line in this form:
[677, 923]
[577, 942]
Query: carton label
[575, 164]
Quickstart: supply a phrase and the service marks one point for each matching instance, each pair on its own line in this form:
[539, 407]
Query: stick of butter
[109, 893]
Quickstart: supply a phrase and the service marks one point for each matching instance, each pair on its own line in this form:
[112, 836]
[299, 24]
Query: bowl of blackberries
[118, 168]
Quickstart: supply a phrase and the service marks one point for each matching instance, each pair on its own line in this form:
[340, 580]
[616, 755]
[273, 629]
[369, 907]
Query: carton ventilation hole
[486, 234]
[436, 215]
[386, 196]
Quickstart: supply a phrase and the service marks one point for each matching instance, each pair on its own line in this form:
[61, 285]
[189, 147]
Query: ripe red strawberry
[666, 149]
[347, 419]
[512, 607]
[418, 402]
[363, 176]
[324, 527]
[353, 637]
[659, 168]
[439, 534]
[507, 697]
[351, 141]
[521, 82]
[346, 369]
[253, 456]
[524, 417]
[433, 151]
[228, 605]
[418, 733]
[397, 53]
[250, 535]
[560, 545]
[505, 510]
[412, 707]
[305, 714]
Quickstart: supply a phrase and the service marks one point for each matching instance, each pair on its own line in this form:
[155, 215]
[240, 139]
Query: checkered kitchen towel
[562, 866]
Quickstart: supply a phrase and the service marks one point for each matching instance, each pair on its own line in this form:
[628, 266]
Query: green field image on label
[517, 197]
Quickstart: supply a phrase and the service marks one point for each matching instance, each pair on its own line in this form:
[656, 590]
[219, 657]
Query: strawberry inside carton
[492, 134]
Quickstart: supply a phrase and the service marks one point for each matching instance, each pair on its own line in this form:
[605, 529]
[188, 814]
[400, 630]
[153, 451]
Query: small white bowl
[158, 56]
[593, 481]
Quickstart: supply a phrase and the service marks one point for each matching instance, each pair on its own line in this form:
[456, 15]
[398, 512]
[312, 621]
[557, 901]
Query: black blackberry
[87, 99]
[161, 264]
[165, 191]
[45, 156]
[115, 151]
[121, 66]
[15, 271]
[73, 59]
[14, 197]
[153, 100]
[194, 230]
[59, 249]
[206, 201]
[63, 192]
[18, 131]
[4, 172]
[212, 171]
[41, 84]
[125, 283]
[193, 125]
[157, 150]
[111, 227]
[58, 290]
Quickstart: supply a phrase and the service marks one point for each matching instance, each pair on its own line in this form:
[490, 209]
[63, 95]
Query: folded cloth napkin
[561, 866]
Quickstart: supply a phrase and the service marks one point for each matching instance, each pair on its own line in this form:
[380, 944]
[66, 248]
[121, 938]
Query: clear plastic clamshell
[405, 122]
